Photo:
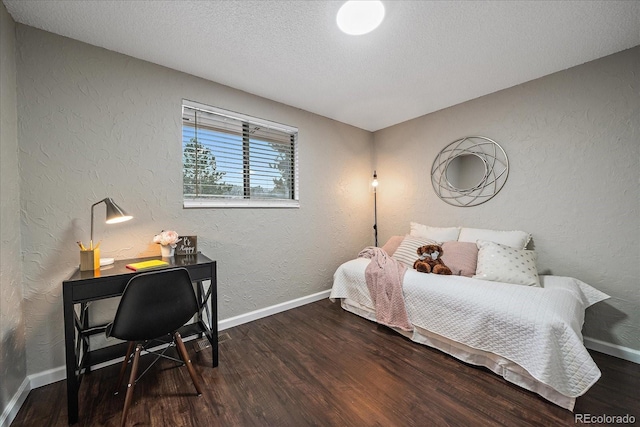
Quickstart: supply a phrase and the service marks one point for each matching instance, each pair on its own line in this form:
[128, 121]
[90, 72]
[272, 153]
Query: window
[233, 160]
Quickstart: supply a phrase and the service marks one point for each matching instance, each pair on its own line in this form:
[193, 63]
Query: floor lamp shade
[115, 213]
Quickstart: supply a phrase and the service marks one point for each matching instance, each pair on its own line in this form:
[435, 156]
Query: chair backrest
[153, 304]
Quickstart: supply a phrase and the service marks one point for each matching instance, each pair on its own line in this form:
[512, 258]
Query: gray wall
[573, 144]
[94, 123]
[13, 366]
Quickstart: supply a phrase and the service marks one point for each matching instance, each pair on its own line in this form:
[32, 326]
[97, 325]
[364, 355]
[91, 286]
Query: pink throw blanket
[384, 279]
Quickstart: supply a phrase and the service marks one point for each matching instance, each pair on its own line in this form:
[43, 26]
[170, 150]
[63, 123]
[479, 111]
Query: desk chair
[154, 304]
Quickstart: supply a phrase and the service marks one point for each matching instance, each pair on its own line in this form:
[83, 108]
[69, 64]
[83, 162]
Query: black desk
[86, 286]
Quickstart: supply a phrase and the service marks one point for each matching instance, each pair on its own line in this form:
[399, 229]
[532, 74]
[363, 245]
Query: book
[145, 265]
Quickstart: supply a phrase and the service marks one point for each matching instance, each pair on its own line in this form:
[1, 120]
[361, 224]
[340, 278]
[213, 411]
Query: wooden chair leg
[132, 383]
[123, 368]
[187, 361]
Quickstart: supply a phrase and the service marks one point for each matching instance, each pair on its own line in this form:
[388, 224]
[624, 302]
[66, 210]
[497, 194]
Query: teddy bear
[429, 261]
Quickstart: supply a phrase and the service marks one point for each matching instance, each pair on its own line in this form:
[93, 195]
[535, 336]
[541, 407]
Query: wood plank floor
[317, 365]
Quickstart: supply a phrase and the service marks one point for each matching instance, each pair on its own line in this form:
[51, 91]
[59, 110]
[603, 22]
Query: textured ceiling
[425, 56]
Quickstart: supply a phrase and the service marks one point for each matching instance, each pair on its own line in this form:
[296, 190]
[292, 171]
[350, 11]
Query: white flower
[168, 237]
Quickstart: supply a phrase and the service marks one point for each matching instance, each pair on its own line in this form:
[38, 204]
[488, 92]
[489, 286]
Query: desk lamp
[115, 214]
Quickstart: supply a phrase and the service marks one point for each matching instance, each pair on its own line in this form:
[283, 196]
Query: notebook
[145, 265]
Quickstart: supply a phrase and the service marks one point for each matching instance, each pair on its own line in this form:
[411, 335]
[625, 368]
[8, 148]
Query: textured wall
[94, 123]
[13, 359]
[573, 144]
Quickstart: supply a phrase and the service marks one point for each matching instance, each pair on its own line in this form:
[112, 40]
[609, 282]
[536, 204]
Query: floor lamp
[374, 185]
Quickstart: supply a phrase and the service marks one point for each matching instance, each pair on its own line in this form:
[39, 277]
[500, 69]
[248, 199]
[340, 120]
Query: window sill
[240, 203]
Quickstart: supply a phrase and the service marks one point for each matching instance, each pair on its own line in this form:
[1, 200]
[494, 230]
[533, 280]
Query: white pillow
[407, 251]
[439, 234]
[502, 263]
[516, 239]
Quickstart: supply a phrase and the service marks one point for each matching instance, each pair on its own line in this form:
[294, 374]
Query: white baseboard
[57, 374]
[47, 377]
[268, 311]
[14, 405]
[614, 350]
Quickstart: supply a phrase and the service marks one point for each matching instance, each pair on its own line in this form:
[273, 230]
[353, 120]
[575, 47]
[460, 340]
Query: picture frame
[188, 245]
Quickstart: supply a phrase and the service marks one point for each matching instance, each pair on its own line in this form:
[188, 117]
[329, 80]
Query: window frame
[246, 201]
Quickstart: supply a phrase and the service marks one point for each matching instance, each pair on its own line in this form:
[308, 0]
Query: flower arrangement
[168, 237]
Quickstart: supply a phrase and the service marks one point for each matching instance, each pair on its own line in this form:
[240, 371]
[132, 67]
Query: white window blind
[234, 160]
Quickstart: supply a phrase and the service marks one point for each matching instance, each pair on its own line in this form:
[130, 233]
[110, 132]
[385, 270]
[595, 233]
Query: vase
[167, 251]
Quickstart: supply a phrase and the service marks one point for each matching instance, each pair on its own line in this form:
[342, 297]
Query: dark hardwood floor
[317, 365]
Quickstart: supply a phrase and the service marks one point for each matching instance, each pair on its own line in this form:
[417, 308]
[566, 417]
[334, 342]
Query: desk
[86, 286]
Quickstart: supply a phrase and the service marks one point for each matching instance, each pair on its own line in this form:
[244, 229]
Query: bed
[522, 326]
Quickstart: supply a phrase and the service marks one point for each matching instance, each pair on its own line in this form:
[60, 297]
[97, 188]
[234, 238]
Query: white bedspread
[537, 328]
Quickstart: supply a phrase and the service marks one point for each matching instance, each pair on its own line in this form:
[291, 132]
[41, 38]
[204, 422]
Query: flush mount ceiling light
[360, 17]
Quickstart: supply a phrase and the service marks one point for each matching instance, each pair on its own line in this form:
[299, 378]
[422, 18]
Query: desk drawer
[110, 286]
[200, 272]
[107, 288]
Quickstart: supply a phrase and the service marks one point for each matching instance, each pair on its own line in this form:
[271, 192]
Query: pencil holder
[90, 259]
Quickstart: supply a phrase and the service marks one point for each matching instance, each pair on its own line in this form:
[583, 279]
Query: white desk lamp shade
[114, 215]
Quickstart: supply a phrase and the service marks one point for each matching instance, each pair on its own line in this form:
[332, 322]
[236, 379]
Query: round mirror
[466, 172]
[469, 171]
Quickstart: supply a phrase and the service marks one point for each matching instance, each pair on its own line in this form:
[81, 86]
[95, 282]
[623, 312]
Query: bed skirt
[507, 369]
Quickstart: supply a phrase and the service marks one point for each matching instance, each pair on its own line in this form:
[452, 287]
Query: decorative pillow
[392, 244]
[515, 239]
[439, 234]
[460, 257]
[407, 251]
[502, 263]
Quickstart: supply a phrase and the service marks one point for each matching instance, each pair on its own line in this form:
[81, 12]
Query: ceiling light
[360, 17]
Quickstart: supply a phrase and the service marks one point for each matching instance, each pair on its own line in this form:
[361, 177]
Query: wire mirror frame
[496, 166]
